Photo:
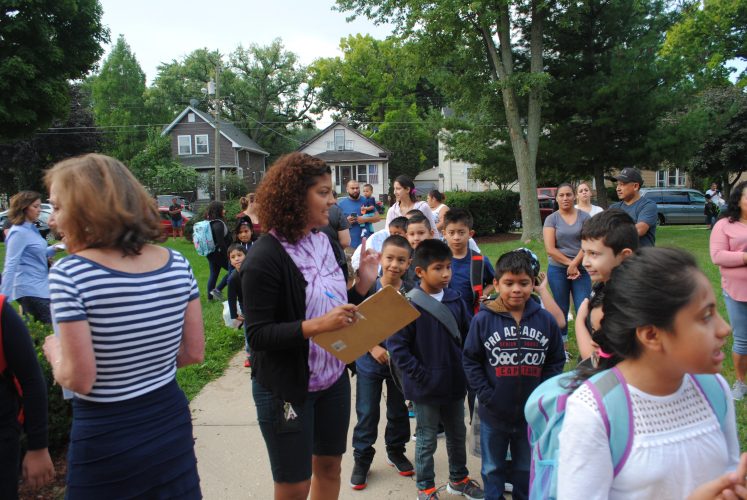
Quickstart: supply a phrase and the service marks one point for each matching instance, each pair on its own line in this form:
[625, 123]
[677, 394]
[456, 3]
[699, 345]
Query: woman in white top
[583, 200]
[435, 202]
[660, 325]
[404, 192]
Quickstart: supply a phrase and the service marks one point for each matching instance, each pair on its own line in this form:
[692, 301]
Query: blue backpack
[545, 410]
[202, 237]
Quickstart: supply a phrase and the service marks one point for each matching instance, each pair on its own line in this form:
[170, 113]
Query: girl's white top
[677, 446]
[594, 210]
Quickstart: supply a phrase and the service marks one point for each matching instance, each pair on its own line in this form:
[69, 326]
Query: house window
[676, 177]
[191, 117]
[362, 175]
[185, 144]
[201, 144]
[339, 140]
[373, 174]
[672, 177]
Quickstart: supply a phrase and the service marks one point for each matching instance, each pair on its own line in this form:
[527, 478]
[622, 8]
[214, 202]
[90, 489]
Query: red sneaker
[247, 363]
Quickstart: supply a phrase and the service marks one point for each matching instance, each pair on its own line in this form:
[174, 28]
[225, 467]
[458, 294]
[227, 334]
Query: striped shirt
[136, 320]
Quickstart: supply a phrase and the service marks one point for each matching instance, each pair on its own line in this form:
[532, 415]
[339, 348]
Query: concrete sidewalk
[232, 458]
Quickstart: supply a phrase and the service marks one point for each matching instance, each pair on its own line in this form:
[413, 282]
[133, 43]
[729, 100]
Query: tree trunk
[524, 146]
[601, 189]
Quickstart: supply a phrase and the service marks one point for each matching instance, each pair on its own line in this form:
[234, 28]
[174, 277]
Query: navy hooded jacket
[429, 358]
[504, 362]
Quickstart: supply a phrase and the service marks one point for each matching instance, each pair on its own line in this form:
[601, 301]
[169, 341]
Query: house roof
[344, 156]
[238, 139]
[348, 127]
[427, 175]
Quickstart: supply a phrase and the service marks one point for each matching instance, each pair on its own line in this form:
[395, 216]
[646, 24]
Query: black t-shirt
[178, 215]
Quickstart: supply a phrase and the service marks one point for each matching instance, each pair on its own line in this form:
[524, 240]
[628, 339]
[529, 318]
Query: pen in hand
[339, 301]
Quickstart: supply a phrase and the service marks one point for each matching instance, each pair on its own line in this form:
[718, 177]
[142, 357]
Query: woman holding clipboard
[294, 290]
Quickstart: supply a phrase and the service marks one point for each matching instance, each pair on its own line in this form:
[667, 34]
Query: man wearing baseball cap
[641, 209]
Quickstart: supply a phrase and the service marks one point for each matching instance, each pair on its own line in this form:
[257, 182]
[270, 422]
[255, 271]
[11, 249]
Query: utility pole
[216, 115]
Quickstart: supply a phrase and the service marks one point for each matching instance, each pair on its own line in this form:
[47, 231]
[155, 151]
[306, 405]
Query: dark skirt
[138, 448]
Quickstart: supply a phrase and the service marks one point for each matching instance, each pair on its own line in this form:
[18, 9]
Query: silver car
[677, 205]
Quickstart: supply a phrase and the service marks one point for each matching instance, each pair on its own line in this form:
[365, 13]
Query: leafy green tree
[379, 87]
[708, 35]
[608, 87]
[710, 134]
[263, 91]
[43, 45]
[492, 47]
[271, 95]
[23, 161]
[158, 171]
[117, 94]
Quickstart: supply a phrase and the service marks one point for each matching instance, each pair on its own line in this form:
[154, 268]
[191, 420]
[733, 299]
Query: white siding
[360, 144]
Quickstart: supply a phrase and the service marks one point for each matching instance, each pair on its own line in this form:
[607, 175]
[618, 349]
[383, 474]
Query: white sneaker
[738, 390]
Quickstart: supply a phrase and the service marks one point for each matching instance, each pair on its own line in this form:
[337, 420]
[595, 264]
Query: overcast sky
[164, 30]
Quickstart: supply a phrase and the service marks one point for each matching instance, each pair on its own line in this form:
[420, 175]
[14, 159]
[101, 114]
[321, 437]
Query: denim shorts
[320, 428]
[738, 319]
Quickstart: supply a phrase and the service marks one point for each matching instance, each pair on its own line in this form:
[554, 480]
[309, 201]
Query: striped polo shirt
[136, 320]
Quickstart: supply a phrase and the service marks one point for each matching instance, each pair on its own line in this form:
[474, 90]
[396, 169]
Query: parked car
[164, 200]
[547, 191]
[42, 223]
[166, 219]
[677, 205]
[546, 207]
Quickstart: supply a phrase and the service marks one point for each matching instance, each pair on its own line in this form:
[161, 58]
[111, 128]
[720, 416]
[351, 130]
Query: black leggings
[37, 307]
[10, 461]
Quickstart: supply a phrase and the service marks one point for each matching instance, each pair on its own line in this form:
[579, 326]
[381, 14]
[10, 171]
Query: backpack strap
[710, 387]
[613, 398]
[476, 277]
[437, 310]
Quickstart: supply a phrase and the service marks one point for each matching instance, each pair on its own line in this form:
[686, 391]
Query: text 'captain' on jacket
[505, 361]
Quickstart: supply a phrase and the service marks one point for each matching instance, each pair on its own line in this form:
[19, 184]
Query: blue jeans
[216, 261]
[562, 288]
[367, 407]
[738, 319]
[494, 442]
[427, 417]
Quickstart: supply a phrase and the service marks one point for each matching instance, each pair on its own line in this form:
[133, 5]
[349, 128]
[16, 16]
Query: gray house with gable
[193, 144]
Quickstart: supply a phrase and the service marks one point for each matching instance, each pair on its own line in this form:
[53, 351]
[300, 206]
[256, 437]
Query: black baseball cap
[629, 174]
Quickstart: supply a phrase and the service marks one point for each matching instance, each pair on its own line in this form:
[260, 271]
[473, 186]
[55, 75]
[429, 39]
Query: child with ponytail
[660, 329]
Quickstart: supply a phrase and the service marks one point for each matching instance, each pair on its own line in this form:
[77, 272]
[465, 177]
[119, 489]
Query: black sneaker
[359, 477]
[400, 462]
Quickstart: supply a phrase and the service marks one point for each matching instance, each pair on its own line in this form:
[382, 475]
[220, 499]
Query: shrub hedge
[492, 211]
[60, 412]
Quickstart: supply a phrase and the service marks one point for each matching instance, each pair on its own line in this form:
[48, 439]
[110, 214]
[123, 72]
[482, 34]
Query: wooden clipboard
[386, 312]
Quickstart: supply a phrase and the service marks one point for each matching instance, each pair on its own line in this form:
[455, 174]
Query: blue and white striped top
[136, 320]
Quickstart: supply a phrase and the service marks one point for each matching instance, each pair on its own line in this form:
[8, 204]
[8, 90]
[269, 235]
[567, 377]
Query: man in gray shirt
[642, 210]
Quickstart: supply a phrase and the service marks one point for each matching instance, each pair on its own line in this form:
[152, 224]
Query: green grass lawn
[693, 239]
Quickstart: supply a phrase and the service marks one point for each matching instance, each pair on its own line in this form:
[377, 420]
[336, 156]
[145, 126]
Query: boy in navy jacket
[513, 345]
[429, 359]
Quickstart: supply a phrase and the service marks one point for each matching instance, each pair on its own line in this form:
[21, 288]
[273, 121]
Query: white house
[350, 155]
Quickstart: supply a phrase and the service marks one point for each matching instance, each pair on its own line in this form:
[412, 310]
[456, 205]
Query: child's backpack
[476, 278]
[7, 377]
[202, 237]
[545, 411]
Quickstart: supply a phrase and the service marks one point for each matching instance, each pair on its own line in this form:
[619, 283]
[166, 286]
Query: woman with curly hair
[25, 274]
[294, 290]
[128, 315]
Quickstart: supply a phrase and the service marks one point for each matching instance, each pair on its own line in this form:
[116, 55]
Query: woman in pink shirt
[729, 253]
